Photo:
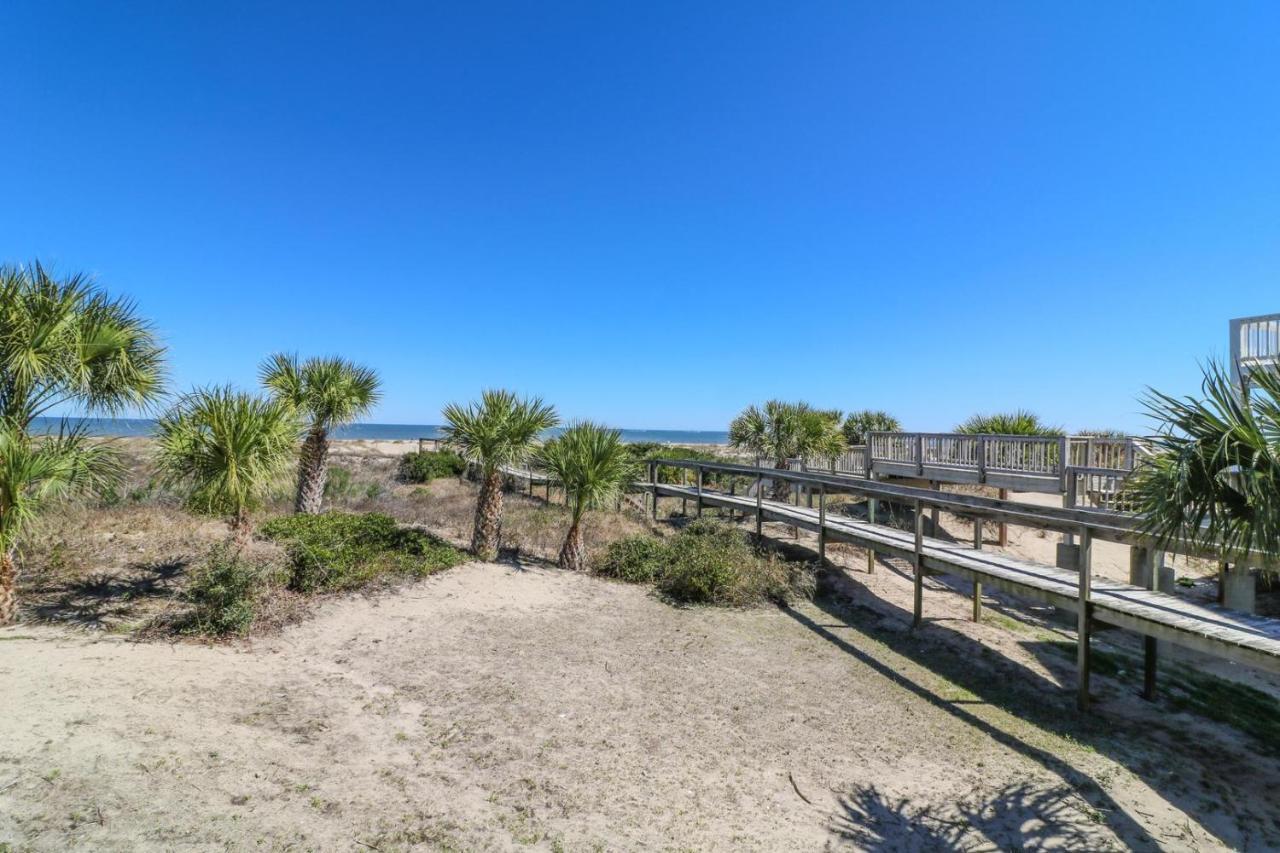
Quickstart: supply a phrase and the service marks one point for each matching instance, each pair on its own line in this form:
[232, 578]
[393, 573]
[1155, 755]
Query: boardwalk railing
[1034, 463]
[1255, 344]
[1138, 607]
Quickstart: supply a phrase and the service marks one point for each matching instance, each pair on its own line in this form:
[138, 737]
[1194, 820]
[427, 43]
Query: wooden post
[733, 488]
[977, 585]
[1064, 462]
[822, 524]
[1004, 528]
[982, 459]
[871, 516]
[699, 491]
[920, 454]
[759, 504]
[935, 512]
[1144, 571]
[916, 559]
[684, 502]
[421, 444]
[1083, 617]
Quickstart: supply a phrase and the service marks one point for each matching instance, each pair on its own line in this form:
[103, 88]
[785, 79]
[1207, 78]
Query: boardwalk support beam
[917, 558]
[1083, 616]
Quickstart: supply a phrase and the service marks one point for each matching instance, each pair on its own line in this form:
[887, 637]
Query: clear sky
[655, 213]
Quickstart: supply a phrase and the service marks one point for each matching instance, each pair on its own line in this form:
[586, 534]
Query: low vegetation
[336, 550]
[707, 562]
[225, 591]
[427, 465]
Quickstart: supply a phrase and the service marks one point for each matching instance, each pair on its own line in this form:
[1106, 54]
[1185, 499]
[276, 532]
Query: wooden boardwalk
[1249, 640]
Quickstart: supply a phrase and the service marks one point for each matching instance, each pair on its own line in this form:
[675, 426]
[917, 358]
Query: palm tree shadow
[1008, 691]
[103, 598]
[1019, 816]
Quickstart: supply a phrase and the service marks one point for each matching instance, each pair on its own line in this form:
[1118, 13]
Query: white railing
[1012, 454]
[1255, 343]
[851, 461]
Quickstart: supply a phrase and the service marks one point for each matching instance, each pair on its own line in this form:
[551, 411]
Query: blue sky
[653, 214]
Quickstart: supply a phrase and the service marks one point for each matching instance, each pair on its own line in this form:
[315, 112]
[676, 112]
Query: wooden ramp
[1250, 640]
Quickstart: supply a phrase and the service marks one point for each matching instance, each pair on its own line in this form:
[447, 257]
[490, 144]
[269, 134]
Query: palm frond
[591, 463]
[501, 429]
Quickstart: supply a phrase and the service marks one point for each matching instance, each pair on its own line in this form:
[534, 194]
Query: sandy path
[493, 707]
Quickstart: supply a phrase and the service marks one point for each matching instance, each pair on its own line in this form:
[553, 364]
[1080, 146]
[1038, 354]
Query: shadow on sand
[1142, 746]
[104, 599]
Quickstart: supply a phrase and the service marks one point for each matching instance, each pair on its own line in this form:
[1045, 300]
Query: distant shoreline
[145, 427]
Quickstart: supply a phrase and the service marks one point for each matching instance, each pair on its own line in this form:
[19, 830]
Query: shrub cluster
[428, 465]
[707, 562]
[338, 550]
[225, 590]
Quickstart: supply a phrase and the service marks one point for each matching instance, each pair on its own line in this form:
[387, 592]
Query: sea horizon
[142, 427]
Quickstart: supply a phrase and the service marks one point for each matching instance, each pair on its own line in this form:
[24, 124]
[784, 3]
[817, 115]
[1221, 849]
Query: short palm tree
[229, 448]
[784, 431]
[594, 466]
[63, 343]
[35, 472]
[327, 393]
[859, 424]
[1019, 422]
[1213, 477]
[500, 431]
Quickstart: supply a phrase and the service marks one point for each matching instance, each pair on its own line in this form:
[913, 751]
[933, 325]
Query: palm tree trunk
[313, 471]
[241, 528]
[781, 490]
[573, 554]
[488, 526]
[8, 587]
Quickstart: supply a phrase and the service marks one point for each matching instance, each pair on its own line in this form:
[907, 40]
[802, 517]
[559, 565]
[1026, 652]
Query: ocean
[145, 426]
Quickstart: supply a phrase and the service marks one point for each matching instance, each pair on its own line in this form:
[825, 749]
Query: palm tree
[594, 466]
[230, 448]
[858, 424]
[66, 343]
[1019, 422]
[327, 393]
[35, 473]
[1213, 477]
[784, 431]
[63, 343]
[500, 431]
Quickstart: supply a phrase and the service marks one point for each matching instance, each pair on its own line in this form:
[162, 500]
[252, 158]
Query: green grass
[1244, 708]
[335, 550]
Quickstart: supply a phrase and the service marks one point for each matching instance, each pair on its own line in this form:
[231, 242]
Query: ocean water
[145, 426]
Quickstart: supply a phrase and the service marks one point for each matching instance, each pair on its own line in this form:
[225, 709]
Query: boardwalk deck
[1250, 640]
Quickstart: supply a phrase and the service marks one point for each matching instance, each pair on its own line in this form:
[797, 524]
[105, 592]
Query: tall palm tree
[858, 424]
[230, 448]
[35, 472]
[1213, 478]
[783, 431]
[63, 343]
[327, 393]
[594, 466]
[499, 431]
[1019, 422]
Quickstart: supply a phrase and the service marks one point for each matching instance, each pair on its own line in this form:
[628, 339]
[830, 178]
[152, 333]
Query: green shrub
[428, 465]
[707, 563]
[338, 550]
[225, 590]
[636, 559]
